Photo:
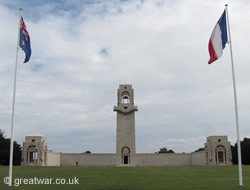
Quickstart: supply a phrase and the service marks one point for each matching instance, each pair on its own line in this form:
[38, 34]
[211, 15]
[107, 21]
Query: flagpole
[235, 105]
[13, 105]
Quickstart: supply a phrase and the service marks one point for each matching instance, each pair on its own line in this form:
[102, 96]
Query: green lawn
[132, 178]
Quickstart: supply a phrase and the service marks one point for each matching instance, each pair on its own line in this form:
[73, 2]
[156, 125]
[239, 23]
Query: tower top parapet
[125, 99]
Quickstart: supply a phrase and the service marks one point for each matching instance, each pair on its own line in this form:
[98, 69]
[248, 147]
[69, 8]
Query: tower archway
[125, 155]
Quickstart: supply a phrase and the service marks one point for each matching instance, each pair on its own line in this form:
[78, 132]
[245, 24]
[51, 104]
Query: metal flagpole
[235, 105]
[13, 105]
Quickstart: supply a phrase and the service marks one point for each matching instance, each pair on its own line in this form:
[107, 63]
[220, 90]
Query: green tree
[5, 150]
[87, 152]
[199, 150]
[165, 150]
[245, 152]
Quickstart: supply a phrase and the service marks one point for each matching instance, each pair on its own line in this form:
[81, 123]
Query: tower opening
[125, 159]
[125, 99]
[220, 154]
[125, 155]
[32, 154]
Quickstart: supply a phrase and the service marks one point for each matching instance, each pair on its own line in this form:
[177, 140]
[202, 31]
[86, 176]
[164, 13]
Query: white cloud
[81, 52]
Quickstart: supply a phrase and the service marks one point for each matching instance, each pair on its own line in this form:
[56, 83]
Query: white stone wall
[163, 159]
[199, 158]
[71, 159]
[49, 158]
[53, 159]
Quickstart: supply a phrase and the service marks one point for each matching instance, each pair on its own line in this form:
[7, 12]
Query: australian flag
[24, 42]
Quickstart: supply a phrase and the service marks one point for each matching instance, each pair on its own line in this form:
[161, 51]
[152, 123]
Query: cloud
[82, 51]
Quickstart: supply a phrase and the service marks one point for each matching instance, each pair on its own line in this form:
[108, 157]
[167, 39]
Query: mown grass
[132, 178]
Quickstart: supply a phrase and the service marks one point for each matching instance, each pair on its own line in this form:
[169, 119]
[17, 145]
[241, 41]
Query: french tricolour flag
[218, 39]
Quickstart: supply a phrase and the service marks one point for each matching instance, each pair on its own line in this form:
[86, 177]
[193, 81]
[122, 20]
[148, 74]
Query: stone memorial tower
[125, 134]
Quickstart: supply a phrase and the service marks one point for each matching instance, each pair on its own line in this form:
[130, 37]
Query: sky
[82, 50]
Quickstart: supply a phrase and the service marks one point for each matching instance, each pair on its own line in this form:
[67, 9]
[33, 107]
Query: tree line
[5, 151]
[245, 152]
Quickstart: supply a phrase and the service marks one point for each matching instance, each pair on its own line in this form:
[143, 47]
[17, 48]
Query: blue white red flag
[24, 41]
[218, 39]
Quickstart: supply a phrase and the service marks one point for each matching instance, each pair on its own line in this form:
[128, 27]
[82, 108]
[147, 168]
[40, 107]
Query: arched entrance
[220, 154]
[32, 154]
[125, 155]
